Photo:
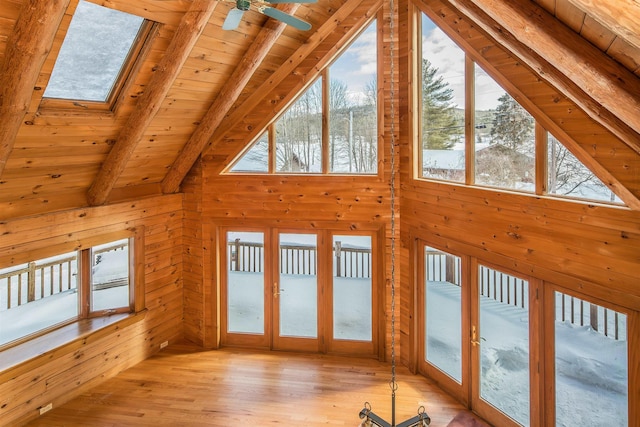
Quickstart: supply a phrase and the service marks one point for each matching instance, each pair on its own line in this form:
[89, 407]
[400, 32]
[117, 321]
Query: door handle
[474, 339]
[276, 290]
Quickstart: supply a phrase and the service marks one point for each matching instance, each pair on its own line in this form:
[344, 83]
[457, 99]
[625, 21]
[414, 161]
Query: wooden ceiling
[196, 81]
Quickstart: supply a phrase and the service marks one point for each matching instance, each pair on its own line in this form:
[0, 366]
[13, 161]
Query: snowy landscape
[55, 308]
[591, 384]
[591, 368]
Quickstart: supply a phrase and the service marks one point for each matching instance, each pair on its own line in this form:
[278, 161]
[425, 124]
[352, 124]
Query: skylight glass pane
[567, 176]
[443, 103]
[353, 119]
[93, 53]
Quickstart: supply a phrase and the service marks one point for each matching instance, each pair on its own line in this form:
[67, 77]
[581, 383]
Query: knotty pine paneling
[192, 273]
[592, 249]
[59, 375]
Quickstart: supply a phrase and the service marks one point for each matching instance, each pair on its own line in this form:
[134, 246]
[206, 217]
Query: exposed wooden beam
[185, 37]
[622, 17]
[27, 48]
[604, 89]
[230, 92]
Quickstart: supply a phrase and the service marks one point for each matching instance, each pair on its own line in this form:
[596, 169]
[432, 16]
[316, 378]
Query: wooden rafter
[186, 35]
[27, 49]
[230, 92]
[604, 89]
[622, 17]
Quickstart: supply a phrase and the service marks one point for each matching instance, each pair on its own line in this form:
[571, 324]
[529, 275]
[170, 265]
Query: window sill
[23, 357]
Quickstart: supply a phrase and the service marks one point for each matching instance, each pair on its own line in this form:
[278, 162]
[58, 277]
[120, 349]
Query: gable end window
[473, 132]
[332, 127]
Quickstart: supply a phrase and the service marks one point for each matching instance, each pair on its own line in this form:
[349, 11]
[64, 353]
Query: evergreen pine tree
[512, 124]
[439, 125]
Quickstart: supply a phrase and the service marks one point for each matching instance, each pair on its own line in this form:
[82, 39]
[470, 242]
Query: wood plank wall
[193, 277]
[301, 202]
[71, 369]
[585, 247]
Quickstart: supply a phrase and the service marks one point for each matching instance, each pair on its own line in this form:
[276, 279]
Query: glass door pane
[296, 292]
[245, 282]
[503, 340]
[443, 312]
[591, 367]
[352, 288]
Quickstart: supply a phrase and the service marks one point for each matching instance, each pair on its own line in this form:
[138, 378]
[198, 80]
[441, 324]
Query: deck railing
[507, 289]
[349, 262]
[38, 280]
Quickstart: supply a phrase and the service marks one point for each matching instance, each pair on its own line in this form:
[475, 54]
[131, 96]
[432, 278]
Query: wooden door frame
[325, 342]
[352, 347]
[305, 344]
[244, 339]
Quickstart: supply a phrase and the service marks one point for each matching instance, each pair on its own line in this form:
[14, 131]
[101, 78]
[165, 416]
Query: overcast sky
[445, 55]
[357, 65]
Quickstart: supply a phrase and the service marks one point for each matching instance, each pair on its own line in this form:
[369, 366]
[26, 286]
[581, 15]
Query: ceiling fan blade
[232, 20]
[287, 19]
[290, 1]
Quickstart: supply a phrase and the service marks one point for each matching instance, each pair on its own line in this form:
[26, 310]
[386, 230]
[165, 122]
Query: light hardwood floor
[184, 385]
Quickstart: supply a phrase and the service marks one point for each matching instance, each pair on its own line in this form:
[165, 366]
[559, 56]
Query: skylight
[94, 52]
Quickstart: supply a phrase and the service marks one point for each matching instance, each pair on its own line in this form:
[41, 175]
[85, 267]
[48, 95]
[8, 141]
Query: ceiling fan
[232, 20]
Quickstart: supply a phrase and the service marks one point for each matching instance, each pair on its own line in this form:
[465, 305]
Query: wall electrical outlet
[46, 408]
[164, 344]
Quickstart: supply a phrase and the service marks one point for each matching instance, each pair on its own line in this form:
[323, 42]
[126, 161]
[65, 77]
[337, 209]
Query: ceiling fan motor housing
[243, 4]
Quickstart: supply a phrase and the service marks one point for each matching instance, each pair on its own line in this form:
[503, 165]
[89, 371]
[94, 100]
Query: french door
[297, 290]
[297, 317]
[523, 352]
[475, 339]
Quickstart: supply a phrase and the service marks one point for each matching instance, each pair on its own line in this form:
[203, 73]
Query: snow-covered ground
[298, 306]
[591, 369]
[50, 310]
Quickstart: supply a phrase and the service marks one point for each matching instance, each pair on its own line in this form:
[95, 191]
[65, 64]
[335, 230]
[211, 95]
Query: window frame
[324, 77]
[132, 63]
[540, 179]
[83, 248]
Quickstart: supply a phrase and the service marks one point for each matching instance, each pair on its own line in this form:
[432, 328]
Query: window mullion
[541, 159]
[469, 112]
[272, 147]
[325, 121]
[85, 283]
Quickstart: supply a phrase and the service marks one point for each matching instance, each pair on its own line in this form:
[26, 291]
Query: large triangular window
[489, 139]
[332, 127]
[97, 54]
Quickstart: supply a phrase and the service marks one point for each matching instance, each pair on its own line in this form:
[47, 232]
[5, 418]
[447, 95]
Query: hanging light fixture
[368, 417]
